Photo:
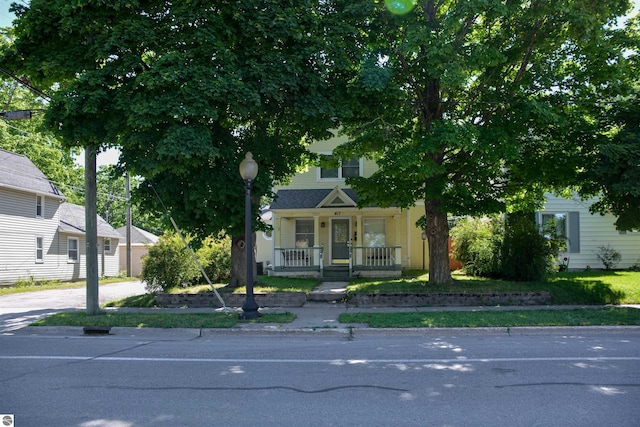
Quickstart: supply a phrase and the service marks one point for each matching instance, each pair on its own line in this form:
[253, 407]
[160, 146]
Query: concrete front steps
[328, 292]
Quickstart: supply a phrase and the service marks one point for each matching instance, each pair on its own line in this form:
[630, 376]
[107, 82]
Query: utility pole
[127, 197]
[91, 229]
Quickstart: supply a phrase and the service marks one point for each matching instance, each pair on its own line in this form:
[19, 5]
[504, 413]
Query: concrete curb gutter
[348, 332]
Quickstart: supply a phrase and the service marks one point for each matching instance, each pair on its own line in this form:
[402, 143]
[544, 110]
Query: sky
[111, 156]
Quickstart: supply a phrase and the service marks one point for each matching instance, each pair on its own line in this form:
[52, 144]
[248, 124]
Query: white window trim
[69, 259]
[40, 198]
[41, 259]
[107, 245]
[340, 178]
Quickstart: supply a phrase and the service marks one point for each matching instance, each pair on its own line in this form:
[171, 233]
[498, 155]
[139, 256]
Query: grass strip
[607, 316]
[158, 320]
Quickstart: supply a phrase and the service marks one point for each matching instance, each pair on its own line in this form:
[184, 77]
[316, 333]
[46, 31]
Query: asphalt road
[550, 377]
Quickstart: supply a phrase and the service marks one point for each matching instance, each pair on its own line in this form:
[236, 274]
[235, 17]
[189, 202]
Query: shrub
[526, 254]
[476, 244]
[168, 264]
[513, 249]
[608, 256]
[215, 258]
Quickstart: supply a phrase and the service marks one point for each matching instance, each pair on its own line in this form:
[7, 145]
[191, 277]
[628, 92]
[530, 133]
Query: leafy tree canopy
[185, 89]
[480, 106]
[614, 173]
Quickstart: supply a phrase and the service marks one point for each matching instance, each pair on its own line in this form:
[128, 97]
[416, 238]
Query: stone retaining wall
[297, 299]
[450, 299]
[209, 299]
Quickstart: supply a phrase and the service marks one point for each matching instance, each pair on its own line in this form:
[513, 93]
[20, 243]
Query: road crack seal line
[566, 384]
[297, 390]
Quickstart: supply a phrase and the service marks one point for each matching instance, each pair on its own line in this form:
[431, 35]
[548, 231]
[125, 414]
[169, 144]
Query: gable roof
[72, 221]
[138, 235]
[19, 173]
[313, 198]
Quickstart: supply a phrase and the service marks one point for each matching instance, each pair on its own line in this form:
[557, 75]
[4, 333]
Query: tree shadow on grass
[591, 291]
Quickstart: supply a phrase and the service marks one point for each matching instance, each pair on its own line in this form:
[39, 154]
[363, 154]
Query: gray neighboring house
[41, 236]
[140, 242]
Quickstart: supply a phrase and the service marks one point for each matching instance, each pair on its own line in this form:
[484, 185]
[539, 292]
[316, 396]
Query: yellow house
[318, 231]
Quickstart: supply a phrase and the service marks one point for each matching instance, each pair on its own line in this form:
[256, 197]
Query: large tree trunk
[239, 262]
[438, 239]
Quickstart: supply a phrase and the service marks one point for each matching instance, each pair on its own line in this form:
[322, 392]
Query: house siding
[19, 229]
[594, 231]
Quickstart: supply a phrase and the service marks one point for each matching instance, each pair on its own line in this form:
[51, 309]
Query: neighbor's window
[39, 249]
[39, 206]
[73, 253]
[347, 168]
[304, 233]
[554, 225]
[107, 246]
[374, 232]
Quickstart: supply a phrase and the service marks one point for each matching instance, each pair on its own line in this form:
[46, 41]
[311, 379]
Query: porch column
[359, 242]
[277, 240]
[316, 239]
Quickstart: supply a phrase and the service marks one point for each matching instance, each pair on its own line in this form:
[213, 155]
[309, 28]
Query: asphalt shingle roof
[305, 199]
[138, 235]
[18, 172]
[72, 221]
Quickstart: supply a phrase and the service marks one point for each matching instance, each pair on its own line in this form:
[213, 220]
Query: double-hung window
[346, 168]
[39, 206]
[39, 250]
[304, 233]
[562, 226]
[374, 232]
[73, 249]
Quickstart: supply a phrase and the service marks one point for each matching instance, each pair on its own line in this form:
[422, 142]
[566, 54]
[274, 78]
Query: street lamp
[249, 171]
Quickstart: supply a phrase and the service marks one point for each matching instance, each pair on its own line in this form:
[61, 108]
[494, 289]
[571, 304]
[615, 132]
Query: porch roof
[306, 199]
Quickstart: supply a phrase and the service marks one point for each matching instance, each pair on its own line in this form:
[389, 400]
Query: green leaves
[184, 89]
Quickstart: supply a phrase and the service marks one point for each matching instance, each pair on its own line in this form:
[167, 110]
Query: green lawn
[595, 287]
[158, 320]
[476, 319]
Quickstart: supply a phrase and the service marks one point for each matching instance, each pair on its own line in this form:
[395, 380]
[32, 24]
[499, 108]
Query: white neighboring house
[41, 236]
[140, 242]
[587, 232]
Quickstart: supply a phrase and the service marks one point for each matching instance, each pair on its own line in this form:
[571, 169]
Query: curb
[343, 332]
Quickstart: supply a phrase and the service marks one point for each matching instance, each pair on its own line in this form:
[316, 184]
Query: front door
[340, 241]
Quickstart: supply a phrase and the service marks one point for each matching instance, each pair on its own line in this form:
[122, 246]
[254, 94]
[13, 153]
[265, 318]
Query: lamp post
[249, 171]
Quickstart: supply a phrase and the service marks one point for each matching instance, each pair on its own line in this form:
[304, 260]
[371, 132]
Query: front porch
[362, 261]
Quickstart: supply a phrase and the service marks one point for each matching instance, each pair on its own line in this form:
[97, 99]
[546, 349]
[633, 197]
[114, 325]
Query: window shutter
[574, 232]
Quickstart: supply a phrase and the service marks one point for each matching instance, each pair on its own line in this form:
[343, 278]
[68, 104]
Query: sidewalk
[19, 310]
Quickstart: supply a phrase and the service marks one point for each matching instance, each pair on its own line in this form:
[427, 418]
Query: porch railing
[377, 257]
[298, 257]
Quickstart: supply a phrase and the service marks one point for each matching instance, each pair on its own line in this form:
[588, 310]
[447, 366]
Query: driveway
[18, 310]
